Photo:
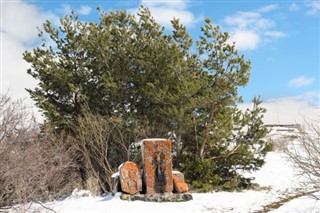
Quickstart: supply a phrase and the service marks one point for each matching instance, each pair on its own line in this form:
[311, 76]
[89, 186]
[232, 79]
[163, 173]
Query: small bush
[34, 166]
[103, 143]
[199, 186]
[215, 178]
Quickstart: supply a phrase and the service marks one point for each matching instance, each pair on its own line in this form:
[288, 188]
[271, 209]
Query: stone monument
[157, 162]
[156, 182]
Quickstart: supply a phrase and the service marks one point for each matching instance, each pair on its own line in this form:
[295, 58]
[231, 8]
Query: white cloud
[287, 110]
[19, 33]
[165, 11]
[314, 8]
[66, 9]
[245, 40]
[252, 20]
[275, 34]
[20, 20]
[249, 29]
[300, 82]
[14, 68]
[268, 8]
[242, 19]
[312, 97]
[84, 10]
[178, 4]
[294, 7]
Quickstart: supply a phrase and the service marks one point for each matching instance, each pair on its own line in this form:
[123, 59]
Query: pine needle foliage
[130, 67]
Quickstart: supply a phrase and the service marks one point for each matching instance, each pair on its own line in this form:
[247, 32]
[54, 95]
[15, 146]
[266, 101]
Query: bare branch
[33, 166]
[305, 153]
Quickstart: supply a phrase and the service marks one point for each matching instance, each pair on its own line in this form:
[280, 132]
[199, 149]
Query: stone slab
[157, 161]
[130, 178]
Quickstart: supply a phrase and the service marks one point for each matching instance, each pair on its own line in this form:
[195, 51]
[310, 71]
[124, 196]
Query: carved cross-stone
[157, 161]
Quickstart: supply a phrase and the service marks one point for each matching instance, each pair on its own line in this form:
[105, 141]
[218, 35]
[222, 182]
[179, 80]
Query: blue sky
[281, 38]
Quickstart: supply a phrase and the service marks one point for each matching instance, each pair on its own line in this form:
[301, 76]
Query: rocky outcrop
[179, 186]
[130, 178]
[157, 161]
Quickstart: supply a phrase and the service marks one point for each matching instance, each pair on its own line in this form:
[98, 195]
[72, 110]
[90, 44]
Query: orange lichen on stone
[130, 178]
[178, 183]
[157, 162]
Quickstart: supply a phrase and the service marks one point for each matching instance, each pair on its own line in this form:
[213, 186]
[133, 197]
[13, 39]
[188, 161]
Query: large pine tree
[130, 68]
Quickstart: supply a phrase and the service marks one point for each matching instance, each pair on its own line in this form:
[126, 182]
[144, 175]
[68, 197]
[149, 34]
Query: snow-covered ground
[277, 180]
[304, 204]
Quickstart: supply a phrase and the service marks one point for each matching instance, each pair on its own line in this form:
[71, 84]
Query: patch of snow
[117, 174]
[277, 173]
[76, 194]
[247, 201]
[305, 204]
[154, 139]
[119, 167]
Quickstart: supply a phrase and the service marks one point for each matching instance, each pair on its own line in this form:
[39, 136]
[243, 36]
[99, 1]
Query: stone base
[165, 197]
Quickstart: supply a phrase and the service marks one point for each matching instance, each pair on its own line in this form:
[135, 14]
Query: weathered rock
[130, 178]
[179, 185]
[115, 186]
[164, 197]
[157, 160]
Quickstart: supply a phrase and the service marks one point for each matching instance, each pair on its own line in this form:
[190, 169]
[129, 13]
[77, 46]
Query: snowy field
[277, 180]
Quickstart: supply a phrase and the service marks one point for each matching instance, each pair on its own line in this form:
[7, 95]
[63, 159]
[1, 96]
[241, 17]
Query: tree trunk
[202, 147]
